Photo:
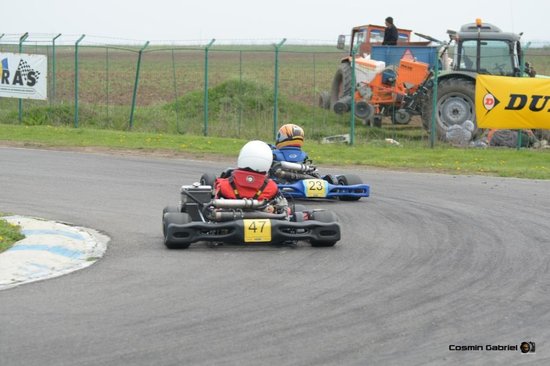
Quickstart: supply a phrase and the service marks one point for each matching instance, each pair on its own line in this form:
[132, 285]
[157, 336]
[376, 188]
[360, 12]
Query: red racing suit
[246, 184]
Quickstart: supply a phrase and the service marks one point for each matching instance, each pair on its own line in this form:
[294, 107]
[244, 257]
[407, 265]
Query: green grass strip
[503, 162]
[9, 234]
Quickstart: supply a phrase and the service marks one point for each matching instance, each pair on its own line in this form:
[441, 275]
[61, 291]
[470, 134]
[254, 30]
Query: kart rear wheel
[323, 216]
[170, 209]
[299, 208]
[179, 218]
[208, 179]
[348, 180]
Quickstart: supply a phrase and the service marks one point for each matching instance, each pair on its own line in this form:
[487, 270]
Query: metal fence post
[107, 80]
[205, 127]
[522, 71]
[140, 53]
[276, 88]
[20, 101]
[434, 104]
[175, 85]
[352, 111]
[76, 80]
[240, 92]
[53, 68]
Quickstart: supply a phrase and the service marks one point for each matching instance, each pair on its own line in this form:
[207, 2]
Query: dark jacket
[390, 36]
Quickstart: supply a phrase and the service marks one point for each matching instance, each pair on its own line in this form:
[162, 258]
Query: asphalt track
[427, 263]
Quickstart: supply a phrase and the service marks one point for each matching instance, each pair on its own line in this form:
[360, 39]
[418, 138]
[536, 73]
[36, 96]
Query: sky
[256, 20]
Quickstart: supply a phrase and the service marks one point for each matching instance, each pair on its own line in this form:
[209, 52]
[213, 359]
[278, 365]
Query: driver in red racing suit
[250, 179]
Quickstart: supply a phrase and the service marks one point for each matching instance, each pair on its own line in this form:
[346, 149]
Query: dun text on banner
[512, 103]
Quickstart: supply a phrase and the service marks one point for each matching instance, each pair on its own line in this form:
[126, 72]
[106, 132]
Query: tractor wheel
[455, 104]
[400, 117]
[341, 84]
[364, 110]
[324, 99]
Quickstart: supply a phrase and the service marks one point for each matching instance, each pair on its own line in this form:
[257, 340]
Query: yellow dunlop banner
[512, 103]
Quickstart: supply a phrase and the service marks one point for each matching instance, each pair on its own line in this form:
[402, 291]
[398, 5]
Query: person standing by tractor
[390, 33]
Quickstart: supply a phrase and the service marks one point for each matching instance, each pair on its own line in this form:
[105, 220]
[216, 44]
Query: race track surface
[428, 262]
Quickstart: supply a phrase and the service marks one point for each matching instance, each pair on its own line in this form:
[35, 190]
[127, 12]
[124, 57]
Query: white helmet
[255, 155]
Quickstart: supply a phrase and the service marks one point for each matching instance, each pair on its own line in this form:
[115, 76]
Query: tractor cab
[482, 48]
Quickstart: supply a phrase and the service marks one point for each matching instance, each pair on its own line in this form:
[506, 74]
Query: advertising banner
[512, 103]
[23, 76]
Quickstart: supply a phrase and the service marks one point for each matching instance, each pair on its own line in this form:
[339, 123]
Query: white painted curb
[50, 249]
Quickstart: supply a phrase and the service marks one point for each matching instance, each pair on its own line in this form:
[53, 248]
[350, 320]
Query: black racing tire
[348, 180]
[179, 218]
[170, 209]
[341, 83]
[208, 179]
[455, 104]
[323, 216]
[299, 208]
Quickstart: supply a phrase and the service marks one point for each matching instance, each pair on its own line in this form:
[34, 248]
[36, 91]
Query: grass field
[170, 102]
[170, 96]
[524, 163]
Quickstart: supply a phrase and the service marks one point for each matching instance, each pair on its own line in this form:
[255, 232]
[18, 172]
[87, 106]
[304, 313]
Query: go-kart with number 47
[245, 206]
[201, 217]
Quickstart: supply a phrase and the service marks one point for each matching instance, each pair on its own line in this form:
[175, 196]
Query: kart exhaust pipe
[238, 203]
[240, 215]
[290, 175]
[297, 167]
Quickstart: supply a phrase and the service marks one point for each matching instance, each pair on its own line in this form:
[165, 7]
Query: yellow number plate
[315, 187]
[257, 231]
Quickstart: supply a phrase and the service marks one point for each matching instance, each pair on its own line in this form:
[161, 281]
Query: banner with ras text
[23, 76]
[512, 103]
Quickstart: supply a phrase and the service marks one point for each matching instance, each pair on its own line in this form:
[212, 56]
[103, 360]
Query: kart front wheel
[178, 218]
[348, 180]
[323, 216]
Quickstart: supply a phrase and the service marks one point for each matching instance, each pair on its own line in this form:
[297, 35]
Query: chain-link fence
[217, 89]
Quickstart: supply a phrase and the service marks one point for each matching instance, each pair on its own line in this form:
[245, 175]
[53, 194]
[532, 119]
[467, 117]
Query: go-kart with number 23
[304, 181]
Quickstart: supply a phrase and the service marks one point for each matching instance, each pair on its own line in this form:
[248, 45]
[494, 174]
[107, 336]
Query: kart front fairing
[320, 188]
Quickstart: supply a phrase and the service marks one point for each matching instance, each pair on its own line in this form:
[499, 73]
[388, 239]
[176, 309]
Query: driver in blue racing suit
[288, 144]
